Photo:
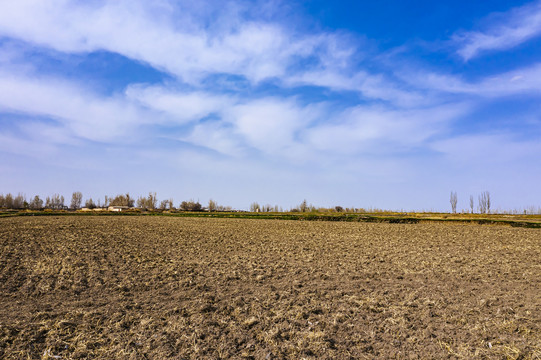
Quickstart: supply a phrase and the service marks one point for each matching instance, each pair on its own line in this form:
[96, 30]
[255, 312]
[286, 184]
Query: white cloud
[181, 107]
[271, 125]
[380, 130]
[507, 31]
[141, 31]
[283, 127]
[519, 81]
[171, 39]
[369, 86]
[217, 136]
[86, 115]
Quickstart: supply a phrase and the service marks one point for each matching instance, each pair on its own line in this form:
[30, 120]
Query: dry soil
[189, 288]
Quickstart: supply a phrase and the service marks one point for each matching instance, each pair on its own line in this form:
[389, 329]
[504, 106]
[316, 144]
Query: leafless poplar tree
[453, 199]
[471, 203]
[254, 207]
[163, 204]
[141, 202]
[150, 202]
[484, 202]
[19, 201]
[8, 201]
[213, 206]
[55, 202]
[89, 203]
[36, 203]
[76, 200]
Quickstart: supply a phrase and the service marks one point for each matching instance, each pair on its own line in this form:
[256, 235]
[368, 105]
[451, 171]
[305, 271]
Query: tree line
[151, 202]
[58, 202]
[484, 202]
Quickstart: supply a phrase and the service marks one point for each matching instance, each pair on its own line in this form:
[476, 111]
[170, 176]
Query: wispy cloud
[84, 114]
[380, 130]
[526, 80]
[504, 31]
[189, 50]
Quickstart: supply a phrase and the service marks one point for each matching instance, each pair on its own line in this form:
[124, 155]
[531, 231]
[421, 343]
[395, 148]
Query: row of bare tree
[19, 201]
[483, 204]
[302, 207]
[150, 202]
[57, 202]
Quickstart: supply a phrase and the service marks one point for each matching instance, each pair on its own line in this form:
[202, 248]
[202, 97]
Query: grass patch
[525, 221]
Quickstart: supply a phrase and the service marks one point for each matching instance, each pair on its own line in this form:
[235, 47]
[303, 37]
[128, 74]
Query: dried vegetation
[191, 288]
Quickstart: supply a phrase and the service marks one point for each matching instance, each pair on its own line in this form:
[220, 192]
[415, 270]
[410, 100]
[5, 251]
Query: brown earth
[189, 288]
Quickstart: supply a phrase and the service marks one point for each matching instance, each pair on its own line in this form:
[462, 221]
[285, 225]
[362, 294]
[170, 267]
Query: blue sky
[385, 104]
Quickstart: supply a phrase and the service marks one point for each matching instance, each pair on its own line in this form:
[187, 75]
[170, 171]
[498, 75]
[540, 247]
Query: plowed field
[190, 288]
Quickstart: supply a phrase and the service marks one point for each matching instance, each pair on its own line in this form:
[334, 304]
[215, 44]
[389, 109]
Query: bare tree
[167, 204]
[254, 207]
[120, 200]
[481, 203]
[76, 200]
[141, 202]
[471, 203]
[89, 203]
[19, 201]
[303, 207]
[484, 202]
[8, 201]
[36, 203]
[163, 204]
[453, 199]
[55, 202]
[129, 201]
[213, 206]
[191, 206]
[150, 202]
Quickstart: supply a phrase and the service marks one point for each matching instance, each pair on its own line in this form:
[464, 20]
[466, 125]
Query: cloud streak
[507, 30]
[190, 51]
[84, 114]
[526, 80]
